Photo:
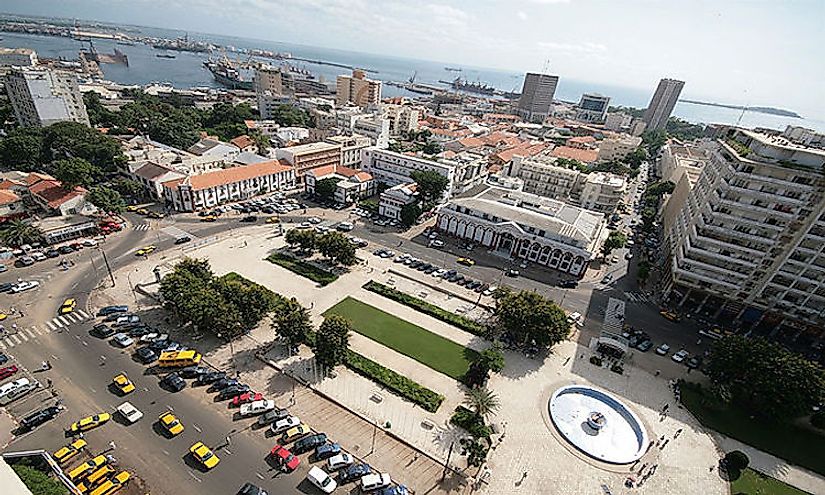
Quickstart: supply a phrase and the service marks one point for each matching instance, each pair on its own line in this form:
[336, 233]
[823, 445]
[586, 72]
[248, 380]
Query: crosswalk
[140, 226]
[23, 335]
[637, 297]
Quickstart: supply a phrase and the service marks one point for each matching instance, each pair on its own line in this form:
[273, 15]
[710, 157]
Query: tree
[475, 451]
[527, 318]
[251, 300]
[482, 401]
[765, 378]
[636, 157]
[127, 187]
[37, 481]
[291, 321]
[65, 140]
[409, 214]
[431, 184]
[21, 150]
[74, 172]
[644, 271]
[491, 359]
[304, 238]
[99, 116]
[325, 188]
[332, 342]
[683, 130]
[431, 148]
[106, 199]
[15, 233]
[337, 247]
[290, 116]
[616, 240]
[654, 140]
[262, 141]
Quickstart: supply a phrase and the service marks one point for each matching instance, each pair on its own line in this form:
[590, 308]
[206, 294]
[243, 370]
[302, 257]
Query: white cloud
[548, 2]
[521, 15]
[586, 47]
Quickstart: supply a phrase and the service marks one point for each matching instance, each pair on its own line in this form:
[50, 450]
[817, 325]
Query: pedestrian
[112, 445]
[678, 432]
[665, 407]
[658, 373]
[48, 383]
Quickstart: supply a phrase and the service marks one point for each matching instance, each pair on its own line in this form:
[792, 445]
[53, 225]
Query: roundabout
[598, 424]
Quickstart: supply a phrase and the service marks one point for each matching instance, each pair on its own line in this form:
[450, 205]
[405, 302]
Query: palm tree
[482, 401]
[17, 232]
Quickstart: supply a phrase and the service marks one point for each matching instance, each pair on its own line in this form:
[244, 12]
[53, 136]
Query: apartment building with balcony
[308, 156]
[748, 247]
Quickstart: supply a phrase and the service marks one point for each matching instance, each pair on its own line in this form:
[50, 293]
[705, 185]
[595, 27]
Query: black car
[694, 362]
[36, 419]
[65, 250]
[268, 210]
[309, 443]
[159, 345]
[272, 416]
[183, 240]
[225, 383]
[232, 391]
[353, 473]
[249, 219]
[173, 382]
[110, 310]
[194, 371]
[250, 489]
[6, 286]
[103, 330]
[52, 253]
[3, 358]
[146, 355]
[210, 377]
[569, 284]
[644, 345]
[140, 331]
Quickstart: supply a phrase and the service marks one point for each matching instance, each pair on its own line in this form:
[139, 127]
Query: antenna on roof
[546, 67]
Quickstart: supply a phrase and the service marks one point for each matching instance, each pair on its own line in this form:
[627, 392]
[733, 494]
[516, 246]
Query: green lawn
[302, 268]
[755, 483]
[800, 446]
[438, 353]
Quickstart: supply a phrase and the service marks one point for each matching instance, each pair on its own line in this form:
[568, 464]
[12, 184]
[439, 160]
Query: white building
[214, 148]
[525, 226]
[351, 147]
[352, 184]
[41, 97]
[308, 156]
[617, 148]
[272, 89]
[592, 107]
[748, 246]
[152, 176]
[403, 118]
[618, 122]
[394, 199]
[375, 127]
[393, 168]
[470, 170]
[804, 136]
[602, 192]
[210, 189]
[21, 57]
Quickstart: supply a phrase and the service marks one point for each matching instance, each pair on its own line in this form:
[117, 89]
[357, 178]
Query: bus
[170, 359]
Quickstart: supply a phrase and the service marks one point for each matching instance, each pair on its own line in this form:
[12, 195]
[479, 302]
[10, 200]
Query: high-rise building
[536, 98]
[41, 97]
[662, 103]
[357, 89]
[748, 246]
[592, 107]
[273, 87]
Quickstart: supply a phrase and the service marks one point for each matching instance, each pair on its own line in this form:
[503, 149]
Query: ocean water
[186, 70]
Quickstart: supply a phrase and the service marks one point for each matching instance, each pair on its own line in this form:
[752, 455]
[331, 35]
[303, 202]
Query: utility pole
[106, 260]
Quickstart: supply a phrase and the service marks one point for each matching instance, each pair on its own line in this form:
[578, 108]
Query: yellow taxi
[90, 422]
[87, 468]
[96, 478]
[143, 211]
[3, 316]
[209, 218]
[204, 455]
[132, 208]
[170, 424]
[272, 220]
[112, 485]
[670, 315]
[145, 251]
[67, 306]
[67, 452]
[466, 261]
[123, 384]
[295, 433]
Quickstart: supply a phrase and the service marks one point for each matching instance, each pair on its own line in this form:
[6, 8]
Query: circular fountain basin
[598, 424]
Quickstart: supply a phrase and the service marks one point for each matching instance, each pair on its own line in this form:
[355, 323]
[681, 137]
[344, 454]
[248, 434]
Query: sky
[752, 52]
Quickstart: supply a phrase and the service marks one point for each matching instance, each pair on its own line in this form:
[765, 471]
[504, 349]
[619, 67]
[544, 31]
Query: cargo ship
[470, 87]
[232, 76]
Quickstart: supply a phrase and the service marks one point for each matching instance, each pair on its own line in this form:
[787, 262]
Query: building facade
[375, 127]
[403, 118]
[21, 57]
[662, 104]
[308, 156]
[536, 100]
[393, 168]
[272, 89]
[357, 89]
[526, 227]
[41, 97]
[617, 148]
[748, 247]
[351, 147]
[592, 107]
[394, 199]
[352, 184]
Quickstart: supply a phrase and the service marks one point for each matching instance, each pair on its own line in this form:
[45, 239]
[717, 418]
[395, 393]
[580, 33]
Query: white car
[439, 272]
[345, 226]
[576, 318]
[130, 412]
[314, 220]
[680, 356]
[285, 424]
[25, 285]
[339, 461]
[436, 243]
[489, 291]
[150, 337]
[89, 242]
[38, 256]
[122, 340]
[304, 225]
[372, 482]
[257, 407]
[663, 349]
[321, 479]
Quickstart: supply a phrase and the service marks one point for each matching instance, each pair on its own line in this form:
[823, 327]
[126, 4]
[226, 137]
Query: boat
[470, 87]
[125, 42]
[453, 69]
[165, 55]
[229, 74]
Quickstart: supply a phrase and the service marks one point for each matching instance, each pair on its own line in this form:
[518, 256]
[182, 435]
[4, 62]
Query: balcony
[714, 268]
[696, 237]
[681, 275]
[719, 256]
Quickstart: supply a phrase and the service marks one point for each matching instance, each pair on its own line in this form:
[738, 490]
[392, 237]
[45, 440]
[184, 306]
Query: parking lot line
[30, 333]
[51, 325]
[2, 345]
[15, 338]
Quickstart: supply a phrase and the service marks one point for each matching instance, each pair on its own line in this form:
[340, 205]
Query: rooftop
[303, 149]
[8, 197]
[242, 141]
[230, 175]
[206, 145]
[585, 156]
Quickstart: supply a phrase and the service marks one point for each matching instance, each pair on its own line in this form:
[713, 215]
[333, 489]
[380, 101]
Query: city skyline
[458, 32]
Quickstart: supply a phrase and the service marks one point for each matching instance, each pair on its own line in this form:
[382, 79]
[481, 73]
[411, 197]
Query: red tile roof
[471, 142]
[242, 141]
[524, 149]
[35, 177]
[53, 193]
[231, 175]
[8, 197]
[585, 156]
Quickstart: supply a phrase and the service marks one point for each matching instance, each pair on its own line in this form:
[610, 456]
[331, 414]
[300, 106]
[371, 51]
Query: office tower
[41, 97]
[592, 107]
[273, 87]
[536, 100]
[357, 89]
[662, 103]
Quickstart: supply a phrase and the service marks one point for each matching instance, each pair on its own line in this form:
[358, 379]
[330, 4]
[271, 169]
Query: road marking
[259, 475]
[51, 325]
[16, 339]
[196, 478]
[39, 331]
[24, 337]
[2, 345]
[93, 390]
[64, 320]
[57, 322]
[165, 452]
[197, 429]
[84, 343]
[83, 313]
[30, 333]
[170, 407]
[229, 452]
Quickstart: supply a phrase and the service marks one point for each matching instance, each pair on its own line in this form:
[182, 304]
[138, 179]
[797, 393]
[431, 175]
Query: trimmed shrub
[303, 268]
[398, 384]
[736, 460]
[470, 421]
[459, 321]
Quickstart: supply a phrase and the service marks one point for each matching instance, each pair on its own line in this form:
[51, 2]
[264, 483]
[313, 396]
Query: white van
[16, 389]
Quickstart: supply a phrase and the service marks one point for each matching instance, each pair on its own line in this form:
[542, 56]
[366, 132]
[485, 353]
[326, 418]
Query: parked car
[295, 433]
[224, 383]
[146, 355]
[644, 345]
[246, 398]
[512, 273]
[663, 349]
[694, 362]
[122, 340]
[24, 286]
[283, 424]
[110, 310]
[338, 461]
[37, 418]
[325, 451]
[569, 284]
[309, 443]
[249, 219]
[272, 416]
[680, 355]
[232, 391]
[372, 482]
[8, 371]
[257, 407]
[321, 479]
[353, 472]
[193, 371]
[173, 382]
[210, 377]
[285, 459]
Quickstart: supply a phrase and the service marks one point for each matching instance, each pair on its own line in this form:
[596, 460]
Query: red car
[246, 398]
[285, 459]
[7, 371]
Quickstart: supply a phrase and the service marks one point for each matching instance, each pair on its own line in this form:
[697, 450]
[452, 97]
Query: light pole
[447, 463]
[374, 433]
[132, 288]
[106, 260]
[232, 354]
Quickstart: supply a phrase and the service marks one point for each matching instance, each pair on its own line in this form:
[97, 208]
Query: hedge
[398, 384]
[302, 268]
[468, 420]
[396, 295]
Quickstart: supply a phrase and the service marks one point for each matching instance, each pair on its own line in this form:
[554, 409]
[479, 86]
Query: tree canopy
[304, 238]
[337, 247]
[72, 172]
[765, 377]
[325, 188]
[332, 342]
[291, 116]
[410, 213]
[107, 199]
[616, 240]
[431, 184]
[15, 233]
[37, 481]
[292, 322]
[526, 318]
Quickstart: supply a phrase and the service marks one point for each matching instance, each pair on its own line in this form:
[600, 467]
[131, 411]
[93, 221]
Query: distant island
[769, 110]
